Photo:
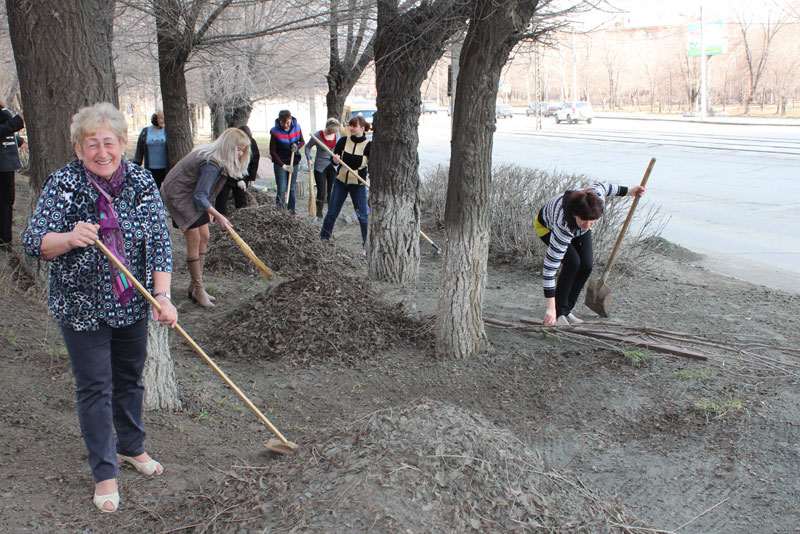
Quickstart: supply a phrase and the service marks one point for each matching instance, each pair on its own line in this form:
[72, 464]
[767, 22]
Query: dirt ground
[545, 432]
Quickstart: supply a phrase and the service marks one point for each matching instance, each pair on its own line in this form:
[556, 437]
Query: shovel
[283, 446]
[598, 296]
[362, 181]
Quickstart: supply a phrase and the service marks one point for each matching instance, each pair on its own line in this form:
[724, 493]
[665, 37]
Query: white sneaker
[562, 321]
[573, 320]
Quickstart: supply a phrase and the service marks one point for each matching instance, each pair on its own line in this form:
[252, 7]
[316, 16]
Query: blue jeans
[281, 177]
[107, 365]
[339, 194]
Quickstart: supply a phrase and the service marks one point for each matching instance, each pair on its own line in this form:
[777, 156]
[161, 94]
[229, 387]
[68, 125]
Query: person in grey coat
[324, 168]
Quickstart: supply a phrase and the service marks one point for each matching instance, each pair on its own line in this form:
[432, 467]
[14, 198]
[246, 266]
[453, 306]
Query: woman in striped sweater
[565, 224]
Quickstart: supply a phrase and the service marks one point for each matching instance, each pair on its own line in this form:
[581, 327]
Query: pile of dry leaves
[325, 309]
[428, 467]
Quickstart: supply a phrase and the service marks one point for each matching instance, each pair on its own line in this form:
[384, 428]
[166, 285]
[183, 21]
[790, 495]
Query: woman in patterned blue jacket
[565, 224]
[100, 195]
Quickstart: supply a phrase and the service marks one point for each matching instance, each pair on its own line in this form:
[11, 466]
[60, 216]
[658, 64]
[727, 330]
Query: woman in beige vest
[189, 191]
[354, 151]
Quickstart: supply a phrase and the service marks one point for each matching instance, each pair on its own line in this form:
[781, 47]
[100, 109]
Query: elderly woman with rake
[101, 198]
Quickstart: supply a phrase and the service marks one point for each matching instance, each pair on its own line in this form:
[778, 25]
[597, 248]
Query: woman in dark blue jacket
[9, 163]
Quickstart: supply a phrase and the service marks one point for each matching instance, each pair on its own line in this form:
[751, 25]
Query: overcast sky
[656, 12]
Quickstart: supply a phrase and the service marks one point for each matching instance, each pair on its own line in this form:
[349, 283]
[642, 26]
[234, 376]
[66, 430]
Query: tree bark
[494, 29]
[160, 386]
[62, 50]
[174, 45]
[406, 46]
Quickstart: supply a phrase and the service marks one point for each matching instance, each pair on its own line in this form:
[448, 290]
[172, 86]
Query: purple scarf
[109, 232]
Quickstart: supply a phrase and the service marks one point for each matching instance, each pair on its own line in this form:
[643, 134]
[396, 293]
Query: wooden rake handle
[289, 178]
[265, 271]
[312, 203]
[627, 222]
[146, 294]
[342, 163]
[354, 173]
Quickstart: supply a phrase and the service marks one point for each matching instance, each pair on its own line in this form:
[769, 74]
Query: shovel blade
[598, 298]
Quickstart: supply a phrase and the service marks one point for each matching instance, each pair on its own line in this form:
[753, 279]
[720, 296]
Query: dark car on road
[502, 111]
[548, 109]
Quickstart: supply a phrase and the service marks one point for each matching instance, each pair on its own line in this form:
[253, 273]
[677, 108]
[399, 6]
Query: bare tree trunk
[217, 119]
[173, 53]
[57, 80]
[62, 50]
[160, 386]
[346, 68]
[494, 30]
[406, 46]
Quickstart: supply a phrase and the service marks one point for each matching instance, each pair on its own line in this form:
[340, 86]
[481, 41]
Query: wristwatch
[163, 294]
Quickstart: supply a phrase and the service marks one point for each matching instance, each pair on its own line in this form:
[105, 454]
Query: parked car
[366, 110]
[574, 112]
[501, 111]
[548, 109]
[430, 107]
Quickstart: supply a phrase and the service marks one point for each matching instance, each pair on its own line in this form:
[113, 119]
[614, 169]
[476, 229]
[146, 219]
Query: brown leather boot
[197, 293]
[202, 267]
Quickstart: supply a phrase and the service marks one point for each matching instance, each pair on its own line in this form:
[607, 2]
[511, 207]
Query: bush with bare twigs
[517, 195]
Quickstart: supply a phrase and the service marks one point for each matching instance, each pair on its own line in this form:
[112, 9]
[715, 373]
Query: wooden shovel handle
[146, 294]
[627, 222]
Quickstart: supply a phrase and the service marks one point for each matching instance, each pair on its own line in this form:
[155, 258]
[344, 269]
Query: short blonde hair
[87, 120]
[223, 151]
[331, 126]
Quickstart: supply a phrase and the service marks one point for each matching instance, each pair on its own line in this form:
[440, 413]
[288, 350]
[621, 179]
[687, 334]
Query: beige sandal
[101, 500]
[148, 468]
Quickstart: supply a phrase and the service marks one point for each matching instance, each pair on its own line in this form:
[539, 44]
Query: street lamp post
[702, 68]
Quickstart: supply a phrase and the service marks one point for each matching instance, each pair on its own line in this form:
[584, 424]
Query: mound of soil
[284, 243]
[429, 467]
[671, 250]
[318, 316]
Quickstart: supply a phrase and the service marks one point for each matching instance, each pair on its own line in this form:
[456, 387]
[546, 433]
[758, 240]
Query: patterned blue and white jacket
[81, 294]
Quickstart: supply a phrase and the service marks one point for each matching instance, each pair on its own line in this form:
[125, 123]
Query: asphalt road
[731, 189]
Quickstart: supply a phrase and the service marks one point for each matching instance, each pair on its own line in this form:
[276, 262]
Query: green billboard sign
[715, 38]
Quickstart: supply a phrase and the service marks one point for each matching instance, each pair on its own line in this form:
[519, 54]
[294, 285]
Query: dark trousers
[576, 267]
[107, 365]
[324, 181]
[7, 193]
[281, 182]
[338, 196]
[239, 197]
[158, 176]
